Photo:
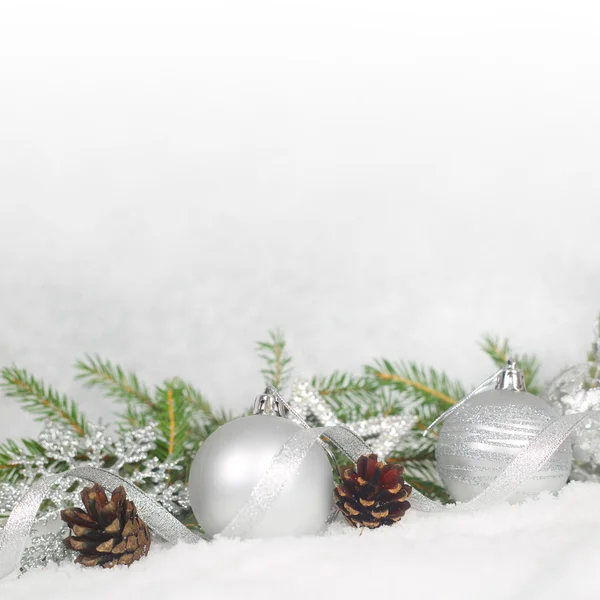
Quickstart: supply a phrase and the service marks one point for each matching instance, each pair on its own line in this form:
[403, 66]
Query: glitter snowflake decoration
[383, 433]
[60, 450]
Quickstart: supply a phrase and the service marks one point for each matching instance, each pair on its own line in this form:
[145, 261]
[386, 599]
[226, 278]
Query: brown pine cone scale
[373, 495]
[107, 533]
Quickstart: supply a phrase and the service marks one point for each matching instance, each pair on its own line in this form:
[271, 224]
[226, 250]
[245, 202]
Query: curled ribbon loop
[15, 534]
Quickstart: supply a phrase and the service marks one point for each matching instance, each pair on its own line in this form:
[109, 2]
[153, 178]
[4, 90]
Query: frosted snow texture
[546, 548]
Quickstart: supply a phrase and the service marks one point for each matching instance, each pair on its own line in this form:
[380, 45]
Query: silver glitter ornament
[233, 459]
[481, 437]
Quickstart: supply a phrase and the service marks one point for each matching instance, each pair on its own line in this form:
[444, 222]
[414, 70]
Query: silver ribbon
[284, 466]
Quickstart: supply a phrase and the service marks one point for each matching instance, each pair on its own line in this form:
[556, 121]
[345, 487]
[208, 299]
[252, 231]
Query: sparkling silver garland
[383, 434]
[63, 450]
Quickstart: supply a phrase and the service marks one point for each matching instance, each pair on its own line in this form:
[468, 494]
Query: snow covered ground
[544, 549]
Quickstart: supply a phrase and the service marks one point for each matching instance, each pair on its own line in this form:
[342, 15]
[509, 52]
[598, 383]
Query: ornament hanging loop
[507, 378]
[511, 378]
[270, 403]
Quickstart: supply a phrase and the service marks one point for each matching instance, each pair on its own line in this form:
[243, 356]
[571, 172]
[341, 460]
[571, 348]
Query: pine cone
[106, 533]
[373, 495]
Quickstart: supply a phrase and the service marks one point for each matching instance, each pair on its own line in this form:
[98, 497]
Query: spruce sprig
[277, 369]
[423, 385]
[418, 459]
[10, 463]
[94, 371]
[205, 419]
[429, 392]
[173, 415]
[12, 457]
[44, 402]
[341, 386]
[500, 351]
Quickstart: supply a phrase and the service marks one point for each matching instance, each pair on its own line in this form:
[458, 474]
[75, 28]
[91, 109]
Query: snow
[545, 548]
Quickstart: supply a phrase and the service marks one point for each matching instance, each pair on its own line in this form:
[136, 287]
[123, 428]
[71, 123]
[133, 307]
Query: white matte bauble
[234, 458]
[480, 439]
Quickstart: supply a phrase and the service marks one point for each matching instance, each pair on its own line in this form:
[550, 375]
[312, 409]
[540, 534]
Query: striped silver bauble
[479, 439]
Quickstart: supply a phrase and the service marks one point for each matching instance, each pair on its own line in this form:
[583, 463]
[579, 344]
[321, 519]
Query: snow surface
[546, 548]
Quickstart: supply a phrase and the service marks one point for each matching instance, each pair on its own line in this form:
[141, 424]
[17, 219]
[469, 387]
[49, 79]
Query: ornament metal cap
[511, 378]
[270, 403]
[508, 378]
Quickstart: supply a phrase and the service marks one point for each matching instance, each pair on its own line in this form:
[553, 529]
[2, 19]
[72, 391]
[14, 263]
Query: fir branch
[44, 402]
[171, 421]
[205, 419]
[13, 457]
[278, 368]
[416, 449]
[133, 418]
[113, 380]
[173, 415]
[420, 384]
[499, 350]
[10, 465]
[418, 459]
[343, 386]
[432, 490]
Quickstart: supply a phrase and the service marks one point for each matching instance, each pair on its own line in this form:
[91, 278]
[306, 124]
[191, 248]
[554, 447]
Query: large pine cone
[106, 533]
[373, 495]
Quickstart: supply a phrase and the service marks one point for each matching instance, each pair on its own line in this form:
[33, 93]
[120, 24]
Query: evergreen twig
[421, 384]
[12, 457]
[173, 416]
[278, 368]
[42, 401]
[113, 380]
[430, 392]
[343, 386]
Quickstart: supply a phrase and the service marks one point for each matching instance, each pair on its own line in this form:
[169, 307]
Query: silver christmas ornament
[481, 437]
[234, 458]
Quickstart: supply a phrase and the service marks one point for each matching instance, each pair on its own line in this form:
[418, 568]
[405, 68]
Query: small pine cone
[106, 533]
[373, 495]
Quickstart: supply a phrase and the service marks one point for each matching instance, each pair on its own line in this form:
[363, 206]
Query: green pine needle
[277, 368]
[42, 401]
[434, 491]
[113, 381]
[343, 386]
[12, 455]
[173, 415]
[204, 418]
[419, 383]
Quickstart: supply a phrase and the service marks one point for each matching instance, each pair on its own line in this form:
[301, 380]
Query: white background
[378, 179]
